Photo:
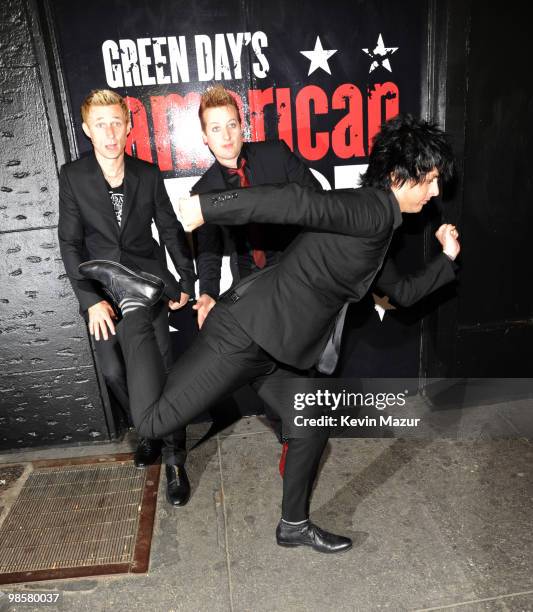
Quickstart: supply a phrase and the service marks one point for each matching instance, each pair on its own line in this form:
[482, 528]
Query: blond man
[107, 202]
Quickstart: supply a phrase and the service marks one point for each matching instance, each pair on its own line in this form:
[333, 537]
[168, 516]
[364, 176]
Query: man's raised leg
[221, 359]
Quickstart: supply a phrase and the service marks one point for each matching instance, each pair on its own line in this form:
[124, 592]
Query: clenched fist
[448, 235]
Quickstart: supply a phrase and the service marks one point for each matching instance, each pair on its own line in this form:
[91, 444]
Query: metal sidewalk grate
[78, 520]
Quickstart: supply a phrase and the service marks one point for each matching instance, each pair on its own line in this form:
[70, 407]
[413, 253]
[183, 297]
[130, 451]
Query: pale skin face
[108, 128]
[412, 196]
[223, 134]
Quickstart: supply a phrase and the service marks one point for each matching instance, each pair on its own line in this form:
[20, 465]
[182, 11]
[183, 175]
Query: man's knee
[159, 420]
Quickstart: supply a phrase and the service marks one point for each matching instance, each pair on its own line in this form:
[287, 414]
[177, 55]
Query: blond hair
[103, 97]
[213, 98]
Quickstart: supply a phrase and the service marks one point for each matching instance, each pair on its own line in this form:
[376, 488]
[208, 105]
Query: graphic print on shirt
[117, 200]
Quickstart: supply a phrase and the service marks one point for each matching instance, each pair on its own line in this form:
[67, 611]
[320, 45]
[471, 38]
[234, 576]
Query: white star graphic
[380, 55]
[319, 57]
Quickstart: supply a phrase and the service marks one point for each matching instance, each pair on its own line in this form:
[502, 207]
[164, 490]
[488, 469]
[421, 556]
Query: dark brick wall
[48, 388]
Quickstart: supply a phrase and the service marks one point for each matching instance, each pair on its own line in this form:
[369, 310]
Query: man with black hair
[258, 332]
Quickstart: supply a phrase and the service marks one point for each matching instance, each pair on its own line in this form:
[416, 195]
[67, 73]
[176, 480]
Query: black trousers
[111, 363]
[222, 359]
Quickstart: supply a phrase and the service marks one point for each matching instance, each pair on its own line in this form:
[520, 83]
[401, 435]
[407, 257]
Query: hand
[203, 305]
[173, 305]
[448, 235]
[101, 317]
[190, 213]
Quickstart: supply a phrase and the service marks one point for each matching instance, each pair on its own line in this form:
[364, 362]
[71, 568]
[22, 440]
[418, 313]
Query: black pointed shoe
[308, 534]
[147, 452]
[123, 285]
[178, 486]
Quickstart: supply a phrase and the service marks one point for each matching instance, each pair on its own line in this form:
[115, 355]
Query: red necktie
[258, 255]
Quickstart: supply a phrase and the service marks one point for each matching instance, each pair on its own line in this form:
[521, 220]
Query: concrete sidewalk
[437, 525]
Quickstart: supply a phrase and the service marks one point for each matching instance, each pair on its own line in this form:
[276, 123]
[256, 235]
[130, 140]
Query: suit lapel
[131, 182]
[99, 195]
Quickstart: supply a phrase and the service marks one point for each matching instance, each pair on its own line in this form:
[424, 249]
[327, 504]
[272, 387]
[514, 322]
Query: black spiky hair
[408, 149]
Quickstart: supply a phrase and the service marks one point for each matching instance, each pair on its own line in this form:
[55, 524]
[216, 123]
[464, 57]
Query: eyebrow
[113, 117]
[220, 122]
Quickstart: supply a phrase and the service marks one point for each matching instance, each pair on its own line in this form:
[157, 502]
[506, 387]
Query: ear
[128, 128]
[204, 137]
[85, 128]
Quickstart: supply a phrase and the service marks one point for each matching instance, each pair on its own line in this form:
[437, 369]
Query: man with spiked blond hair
[239, 164]
[107, 202]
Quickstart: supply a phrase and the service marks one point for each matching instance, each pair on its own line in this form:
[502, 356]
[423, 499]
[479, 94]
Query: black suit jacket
[88, 227]
[270, 162]
[290, 309]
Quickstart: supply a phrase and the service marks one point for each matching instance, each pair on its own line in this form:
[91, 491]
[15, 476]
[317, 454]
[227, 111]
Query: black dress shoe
[178, 486]
[307, 534]
[147, 452]
[123, 285]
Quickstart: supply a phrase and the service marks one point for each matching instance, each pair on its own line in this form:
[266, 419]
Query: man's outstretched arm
[407, 289]
[356, 212]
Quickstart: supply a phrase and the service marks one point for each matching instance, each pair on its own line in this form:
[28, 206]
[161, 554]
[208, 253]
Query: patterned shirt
[117, 200]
